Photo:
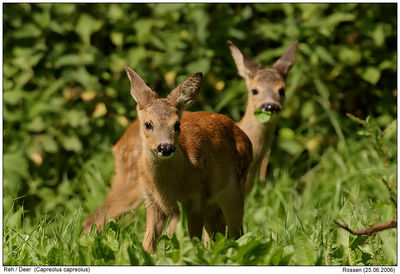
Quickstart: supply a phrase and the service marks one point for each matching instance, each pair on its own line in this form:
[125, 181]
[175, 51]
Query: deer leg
[264, 165]
[118, 202]
[232, 206]
[155, 221]
[195, 224]
[214, 222]
[172, 224]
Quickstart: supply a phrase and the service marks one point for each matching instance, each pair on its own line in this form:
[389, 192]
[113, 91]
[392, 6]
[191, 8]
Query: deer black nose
[270, 107]
[165, 149]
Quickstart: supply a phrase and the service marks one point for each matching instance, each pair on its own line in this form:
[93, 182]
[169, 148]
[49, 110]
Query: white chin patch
[161, 156]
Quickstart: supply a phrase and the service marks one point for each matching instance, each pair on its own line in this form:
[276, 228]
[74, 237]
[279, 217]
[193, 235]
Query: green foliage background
[66, 101]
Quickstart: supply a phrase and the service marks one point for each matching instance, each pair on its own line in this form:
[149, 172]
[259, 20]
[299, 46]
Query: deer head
[160, 117]
[266, 86]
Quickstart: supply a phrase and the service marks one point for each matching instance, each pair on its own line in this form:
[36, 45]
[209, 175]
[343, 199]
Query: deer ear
[185, 94]
[245, 65]
[286, 61]
[142, 94]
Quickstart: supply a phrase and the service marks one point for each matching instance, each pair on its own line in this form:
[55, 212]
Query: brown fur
[207, 176]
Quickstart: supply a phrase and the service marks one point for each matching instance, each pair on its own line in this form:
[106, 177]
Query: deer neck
[163, 177]
[261, 135]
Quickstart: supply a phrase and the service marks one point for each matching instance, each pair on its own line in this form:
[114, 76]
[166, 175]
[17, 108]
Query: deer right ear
[246, 67]
[286, 61]
[185, 94]
[142, 94]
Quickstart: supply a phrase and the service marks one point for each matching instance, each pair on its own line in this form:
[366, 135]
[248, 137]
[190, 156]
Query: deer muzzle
[165, 149]
[274, 108]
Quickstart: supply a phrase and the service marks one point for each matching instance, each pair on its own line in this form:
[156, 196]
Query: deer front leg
[172, 224]
[195, 224]
[195, 216]
[264, 165]
[155, 221]
[214, 222]
[232, 206]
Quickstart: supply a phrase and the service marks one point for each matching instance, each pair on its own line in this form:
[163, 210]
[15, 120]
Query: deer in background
[200, 159]
[266, 90]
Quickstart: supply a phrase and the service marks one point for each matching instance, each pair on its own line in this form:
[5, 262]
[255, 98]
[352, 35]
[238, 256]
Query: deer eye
[177, 127]
[282, 92]
[254, 91]
[148, 125]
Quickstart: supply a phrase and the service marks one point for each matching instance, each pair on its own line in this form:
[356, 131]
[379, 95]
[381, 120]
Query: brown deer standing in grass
[266, 90]
[199, 159]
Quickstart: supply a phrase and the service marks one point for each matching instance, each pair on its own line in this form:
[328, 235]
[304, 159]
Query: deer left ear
[245, 65]
[286, 61]
[142, 94]
[185, 94]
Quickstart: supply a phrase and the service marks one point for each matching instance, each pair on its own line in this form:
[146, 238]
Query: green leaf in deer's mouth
[262, 116]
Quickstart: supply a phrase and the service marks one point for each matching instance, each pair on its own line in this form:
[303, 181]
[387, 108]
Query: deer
[198, 159]
[266, 90]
